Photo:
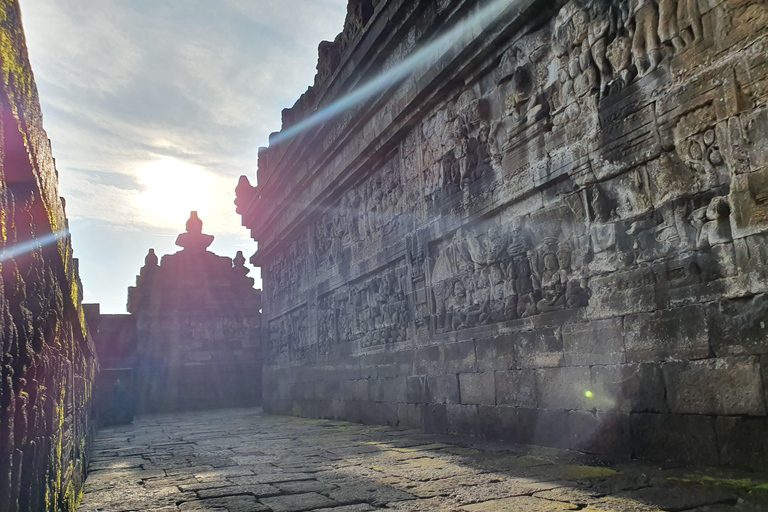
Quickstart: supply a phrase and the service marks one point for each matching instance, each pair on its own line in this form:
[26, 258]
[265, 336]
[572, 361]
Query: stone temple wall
[48, 360]
[553, 230]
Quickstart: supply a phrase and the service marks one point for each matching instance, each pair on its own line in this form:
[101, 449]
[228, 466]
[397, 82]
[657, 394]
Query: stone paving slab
[242, 460]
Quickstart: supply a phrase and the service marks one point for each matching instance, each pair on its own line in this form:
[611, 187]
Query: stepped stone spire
[194, 239]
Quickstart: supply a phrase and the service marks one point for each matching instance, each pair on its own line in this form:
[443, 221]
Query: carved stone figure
[524, 288]
[602, 29]
[646, 48]
[549, 279]
[669, 33]
[712, 223]
[689, 21]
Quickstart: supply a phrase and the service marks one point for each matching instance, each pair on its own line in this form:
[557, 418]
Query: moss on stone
[588, 472]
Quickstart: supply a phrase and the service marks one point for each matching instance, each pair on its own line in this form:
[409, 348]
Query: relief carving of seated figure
[575, 294]
[526, 302]
[510, 293]
[456, 307]
[497, 302]
[552, 284]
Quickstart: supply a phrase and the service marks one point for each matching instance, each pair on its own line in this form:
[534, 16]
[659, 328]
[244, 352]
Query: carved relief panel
[497, 271]
[369, 312]
[289, 338]
[288, 273]
[366, 213]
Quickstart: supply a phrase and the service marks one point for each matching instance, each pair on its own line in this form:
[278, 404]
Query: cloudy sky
[156, 107]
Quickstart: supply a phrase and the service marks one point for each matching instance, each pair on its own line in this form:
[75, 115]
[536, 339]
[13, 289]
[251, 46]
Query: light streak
[17, 250]
[464, 32]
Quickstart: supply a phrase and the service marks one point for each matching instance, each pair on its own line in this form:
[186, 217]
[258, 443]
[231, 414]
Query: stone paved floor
[242, 460]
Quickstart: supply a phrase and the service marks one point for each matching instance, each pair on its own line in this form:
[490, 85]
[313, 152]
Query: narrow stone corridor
[242, 460]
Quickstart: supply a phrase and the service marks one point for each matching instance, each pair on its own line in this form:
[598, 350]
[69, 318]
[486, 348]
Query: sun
[171, 188]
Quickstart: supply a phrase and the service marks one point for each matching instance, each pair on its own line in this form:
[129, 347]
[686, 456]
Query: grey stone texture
[554, 227]
[48, 362]
[241, 460]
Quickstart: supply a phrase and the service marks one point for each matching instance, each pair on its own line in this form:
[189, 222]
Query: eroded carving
[367, 313]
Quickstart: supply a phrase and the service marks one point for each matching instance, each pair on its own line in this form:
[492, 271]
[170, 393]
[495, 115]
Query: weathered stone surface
[356, 467]
[605, 433]
[298, 502]
[743, 442]
[563, 388]
[516, 387]
[675, 438]
[598, 342]
[543, 426]
[463, 420]
[574, 189]
[722, 386]
[540, 348]
[477, 388]
[48, 362]
[496, 353]
[739, 327]
[519, 503]
[443, 389]
[675, 334]
[628, 388]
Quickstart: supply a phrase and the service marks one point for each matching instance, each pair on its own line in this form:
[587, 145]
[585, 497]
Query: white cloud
[197, 85]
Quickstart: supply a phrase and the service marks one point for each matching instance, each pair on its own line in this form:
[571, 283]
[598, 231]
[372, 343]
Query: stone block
[545, 427]
[398, 363]
[428, 360]
[443, 389]
[353, 411]
[477, 388]
[436, 418]
[495, 353]
[739, 327]
[498, 422]
[327, 390]
[623, 293]
[387, 390]
[604, 433]
[764, 373]
[539, 348]
[410, 415]
[628, 388]
[306, 390]
[663, 335]
[199, 356]
[355, 389]
[463, 420]
[563, 388]
[752, 260]
[723, 386]
[379, 413]
[339, 409]
[296, 502]
[516, 388]
[458, 357]
[416, 389]
[674, 438]
[749, 211]
[595, 342]
[743, 442]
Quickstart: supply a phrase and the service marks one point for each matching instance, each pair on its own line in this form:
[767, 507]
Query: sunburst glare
[172, 188]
